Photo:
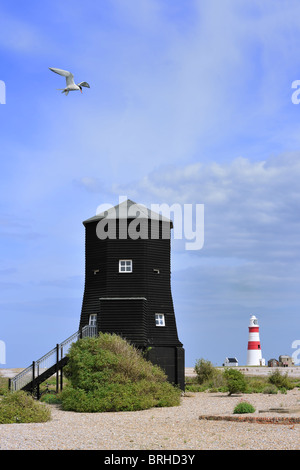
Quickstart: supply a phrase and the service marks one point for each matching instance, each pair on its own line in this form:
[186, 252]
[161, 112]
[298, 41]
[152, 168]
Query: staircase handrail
[49, 359]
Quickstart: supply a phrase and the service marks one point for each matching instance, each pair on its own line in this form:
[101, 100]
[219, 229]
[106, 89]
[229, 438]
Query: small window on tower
[160, 319]
[93, 319]
[125, 266]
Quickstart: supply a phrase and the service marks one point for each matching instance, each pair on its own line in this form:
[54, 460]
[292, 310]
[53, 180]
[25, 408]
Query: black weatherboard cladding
[126, 302]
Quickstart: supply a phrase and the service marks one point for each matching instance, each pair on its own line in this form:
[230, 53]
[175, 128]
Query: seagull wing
[84, 84]
[69, 76]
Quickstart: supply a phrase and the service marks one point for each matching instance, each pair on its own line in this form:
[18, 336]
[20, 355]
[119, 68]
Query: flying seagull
[71, 86]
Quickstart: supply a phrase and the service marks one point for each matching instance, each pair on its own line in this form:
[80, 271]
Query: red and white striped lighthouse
[254, 356]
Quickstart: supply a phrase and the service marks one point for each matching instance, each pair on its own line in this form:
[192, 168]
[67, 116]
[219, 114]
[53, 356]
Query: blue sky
[190, 103]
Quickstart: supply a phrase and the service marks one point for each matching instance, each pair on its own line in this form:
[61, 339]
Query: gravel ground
[176, 428]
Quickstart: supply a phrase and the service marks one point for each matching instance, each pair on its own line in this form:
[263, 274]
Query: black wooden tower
[128, 286]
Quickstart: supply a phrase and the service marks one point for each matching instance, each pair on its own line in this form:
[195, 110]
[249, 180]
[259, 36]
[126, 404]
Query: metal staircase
[51, 363]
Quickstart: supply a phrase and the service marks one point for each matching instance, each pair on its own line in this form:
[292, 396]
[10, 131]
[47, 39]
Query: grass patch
[3, 385]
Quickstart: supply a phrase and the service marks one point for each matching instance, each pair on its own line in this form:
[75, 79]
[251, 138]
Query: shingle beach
[177, 428]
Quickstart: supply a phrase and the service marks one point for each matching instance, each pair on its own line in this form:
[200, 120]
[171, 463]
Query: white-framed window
[125, 266]
[160, 319]
[93, 319]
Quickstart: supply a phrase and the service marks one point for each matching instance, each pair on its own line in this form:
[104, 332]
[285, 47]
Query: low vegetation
[106, 373]
[19, 407]
[233, 381]
[3, 385]
[208, 377]
[243, 407]
[281, 381]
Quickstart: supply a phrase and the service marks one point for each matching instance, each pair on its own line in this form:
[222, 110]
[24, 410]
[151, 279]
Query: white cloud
[251, 208]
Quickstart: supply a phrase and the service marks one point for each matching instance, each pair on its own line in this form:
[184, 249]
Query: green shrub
[204, 370]
[208, 377]
[281, 381]
[236, 382]
[270, 389]
[217, 381]
[255, 384]
[243, 407]
[107, 374]
[51, 398]
[19, 407]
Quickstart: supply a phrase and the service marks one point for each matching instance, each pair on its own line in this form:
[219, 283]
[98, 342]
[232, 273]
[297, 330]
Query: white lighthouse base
[254, 357]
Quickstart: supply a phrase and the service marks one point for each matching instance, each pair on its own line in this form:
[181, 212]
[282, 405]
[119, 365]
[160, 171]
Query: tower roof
[129, 210]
